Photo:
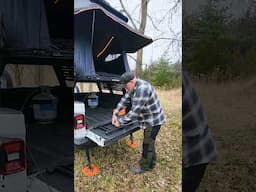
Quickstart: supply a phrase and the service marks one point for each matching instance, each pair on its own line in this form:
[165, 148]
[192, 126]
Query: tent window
[112, 57]
[28, 76]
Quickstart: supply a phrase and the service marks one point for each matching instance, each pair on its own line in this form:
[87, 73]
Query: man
[146, 109]
[198, 146]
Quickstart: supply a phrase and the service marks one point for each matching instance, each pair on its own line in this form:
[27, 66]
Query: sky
[165, 23]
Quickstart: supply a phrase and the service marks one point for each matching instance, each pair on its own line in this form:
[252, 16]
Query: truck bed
[101, 129]
[99, 115]
[49, 146]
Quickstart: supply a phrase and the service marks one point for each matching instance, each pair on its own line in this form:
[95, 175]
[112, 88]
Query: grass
[114, 160]
[231, 114]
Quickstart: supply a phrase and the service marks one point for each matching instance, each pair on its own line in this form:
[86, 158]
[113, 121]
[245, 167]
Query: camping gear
[44, 106]
[93, 100]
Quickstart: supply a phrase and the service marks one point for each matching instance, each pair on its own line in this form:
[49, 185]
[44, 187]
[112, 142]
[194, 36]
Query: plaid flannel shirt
[197, 143]
[145, 106]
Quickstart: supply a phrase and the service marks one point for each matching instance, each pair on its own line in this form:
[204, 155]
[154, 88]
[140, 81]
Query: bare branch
[166, 38]
[135, 9]
[134, 20]
[173, 9]
[134, 59]
[128, 14]
[153, 23]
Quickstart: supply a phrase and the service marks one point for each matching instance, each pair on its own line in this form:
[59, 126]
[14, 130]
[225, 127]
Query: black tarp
[83, 56]
[101, 30]
[34, 24]
[23, 24]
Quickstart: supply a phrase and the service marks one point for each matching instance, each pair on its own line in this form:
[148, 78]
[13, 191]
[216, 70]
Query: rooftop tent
[32, 24]
[100, 31]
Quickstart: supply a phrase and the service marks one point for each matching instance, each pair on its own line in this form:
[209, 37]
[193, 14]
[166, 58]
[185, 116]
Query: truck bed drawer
[107, 133]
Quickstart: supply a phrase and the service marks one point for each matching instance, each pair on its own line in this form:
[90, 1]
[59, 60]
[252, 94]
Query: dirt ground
[114, 160]
[230, 108]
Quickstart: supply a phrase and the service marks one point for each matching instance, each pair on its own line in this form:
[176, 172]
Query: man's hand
[115, 121]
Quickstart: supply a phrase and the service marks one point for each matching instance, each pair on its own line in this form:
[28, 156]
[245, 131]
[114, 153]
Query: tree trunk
[139, 62]
[143, 22]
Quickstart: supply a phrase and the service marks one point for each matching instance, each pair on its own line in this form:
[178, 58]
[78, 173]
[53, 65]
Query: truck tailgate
[107, 134]
[100, 129]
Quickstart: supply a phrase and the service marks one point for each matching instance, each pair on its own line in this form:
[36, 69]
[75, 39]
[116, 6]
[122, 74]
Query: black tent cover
[32, 24]
[101, 30]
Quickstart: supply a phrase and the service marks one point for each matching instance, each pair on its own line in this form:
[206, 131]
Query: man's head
[128, 79]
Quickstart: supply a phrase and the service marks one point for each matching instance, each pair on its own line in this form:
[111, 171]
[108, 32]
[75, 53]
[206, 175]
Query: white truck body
[79, 134]
[13, 128]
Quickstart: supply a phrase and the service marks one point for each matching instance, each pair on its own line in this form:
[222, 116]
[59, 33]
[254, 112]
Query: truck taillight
[79, 121]
[14, 157]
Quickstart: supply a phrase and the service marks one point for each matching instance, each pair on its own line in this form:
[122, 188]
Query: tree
[205, 41]
[145, 17]
[162, 73]
[218, 45]
[141, 29]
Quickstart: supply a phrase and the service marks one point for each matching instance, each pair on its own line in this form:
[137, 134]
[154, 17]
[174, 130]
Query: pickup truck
[36, 154]
[93, 107]
[31, 148]
[94, 123]
[102, 40]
